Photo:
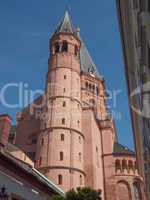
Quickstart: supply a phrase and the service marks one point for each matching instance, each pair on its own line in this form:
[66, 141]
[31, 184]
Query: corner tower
[60, 144]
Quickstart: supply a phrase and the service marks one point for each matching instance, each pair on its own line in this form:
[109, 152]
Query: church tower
[69, 148]
[60, 143]
[74, 142]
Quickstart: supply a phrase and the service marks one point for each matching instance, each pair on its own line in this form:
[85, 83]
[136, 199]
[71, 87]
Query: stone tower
[74, 142]
[60, 151]
[69, 147]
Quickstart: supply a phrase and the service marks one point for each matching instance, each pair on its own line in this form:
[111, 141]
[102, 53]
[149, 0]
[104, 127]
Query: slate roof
[120, 149]
[87, 64]
[32, 171]
[65, 25]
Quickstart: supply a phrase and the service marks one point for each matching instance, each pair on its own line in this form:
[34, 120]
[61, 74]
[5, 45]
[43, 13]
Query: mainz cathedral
[68, 131]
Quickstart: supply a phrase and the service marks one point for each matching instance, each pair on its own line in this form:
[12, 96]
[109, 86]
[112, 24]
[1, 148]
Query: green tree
[85, 193]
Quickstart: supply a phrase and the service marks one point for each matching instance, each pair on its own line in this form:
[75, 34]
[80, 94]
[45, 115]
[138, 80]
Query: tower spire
[65, 25]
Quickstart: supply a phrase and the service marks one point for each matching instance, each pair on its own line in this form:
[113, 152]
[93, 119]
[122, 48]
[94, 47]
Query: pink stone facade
[73, 139]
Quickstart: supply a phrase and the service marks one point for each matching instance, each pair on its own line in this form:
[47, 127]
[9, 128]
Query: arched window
[60, 179]
[62, 137]
[61, 156]
[96, 149]
[64, 46]
[137, 191]
[76, 50]
[92, 102]
[124, 165]
[79, 139]
[81, 181]
[86, 85]
[130, 165]
[63, 121]
[65, 77]
[64, 104]
[117, 165]
[42, 142]
[90, 86]
[135, 165]
[40, 161]
[56, 47]
[97, 91]
[93, 87]
[80, 157]
[78, 123]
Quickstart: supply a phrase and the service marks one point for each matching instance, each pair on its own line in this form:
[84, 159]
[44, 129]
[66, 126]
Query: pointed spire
[65, 25]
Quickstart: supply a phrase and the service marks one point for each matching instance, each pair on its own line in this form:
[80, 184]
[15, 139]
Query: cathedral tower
[74, 142]
[60, 150]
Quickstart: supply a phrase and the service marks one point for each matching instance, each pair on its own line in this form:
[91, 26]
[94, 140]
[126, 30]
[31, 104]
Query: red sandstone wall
[92, 152]
[28, 128]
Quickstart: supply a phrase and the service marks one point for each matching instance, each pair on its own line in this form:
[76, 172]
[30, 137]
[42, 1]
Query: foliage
[85, 193]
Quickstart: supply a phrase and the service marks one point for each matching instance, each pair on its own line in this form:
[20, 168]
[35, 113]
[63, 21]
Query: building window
[135, 4]
[63, 121]
[64, 104]
[80, 157]
[86, 85]
[81, 181]
[3, 193]
[34, 141]
[97, 91]
[62, 137]
[76, 50]
[40, 161]
[96, 149]
[65, 77]
[56, 47]
[79, 139]
[42, 142]
[92, 102]
[64, 89]
[61, 156]
[65, 46]
[93, 87]
[117, 165]
[124, 165]
[60, 179]
[78, 123]
[149, 6]
[90, 86]
[130, 165]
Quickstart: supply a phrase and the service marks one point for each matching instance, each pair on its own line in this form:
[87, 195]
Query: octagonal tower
[60, 144]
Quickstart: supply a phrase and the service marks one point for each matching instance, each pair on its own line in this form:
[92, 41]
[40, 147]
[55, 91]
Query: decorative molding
[63, 167]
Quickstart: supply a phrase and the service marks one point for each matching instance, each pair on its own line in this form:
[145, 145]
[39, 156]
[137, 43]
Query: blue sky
[25, 29]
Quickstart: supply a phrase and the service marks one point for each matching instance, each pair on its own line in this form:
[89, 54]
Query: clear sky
[25, 29]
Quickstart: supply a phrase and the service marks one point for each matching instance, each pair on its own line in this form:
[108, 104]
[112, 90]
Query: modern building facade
[134, 18]
[68, 131]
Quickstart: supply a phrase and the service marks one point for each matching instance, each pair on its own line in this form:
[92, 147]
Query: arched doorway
[123, 191]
